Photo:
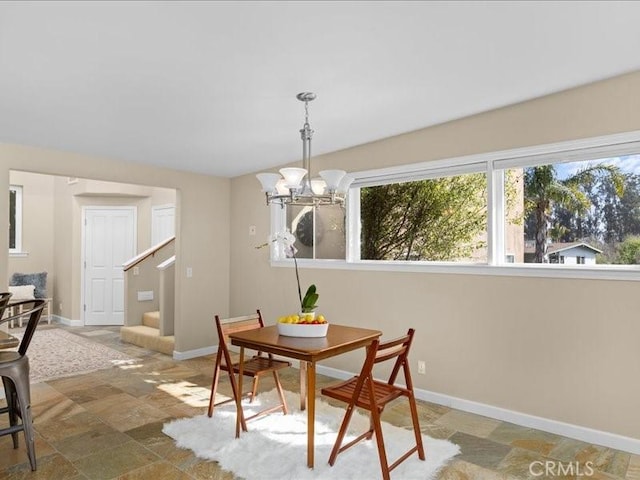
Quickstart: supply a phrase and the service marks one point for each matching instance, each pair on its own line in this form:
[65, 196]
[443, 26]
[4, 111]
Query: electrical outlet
[422, 367]
[189, 272]
[136, 271]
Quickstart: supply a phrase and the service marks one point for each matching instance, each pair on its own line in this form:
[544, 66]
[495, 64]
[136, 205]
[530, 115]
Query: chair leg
[236, 392]
[254, 388]
[214, 388]
[369, 434]
[384, 465]
[24, 400]
[12, 405]
[341, 434]
[416, 426]
[276, 377]
[214, 383]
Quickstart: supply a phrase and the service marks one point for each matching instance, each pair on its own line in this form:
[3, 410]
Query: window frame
[494, 164]
[17, 250]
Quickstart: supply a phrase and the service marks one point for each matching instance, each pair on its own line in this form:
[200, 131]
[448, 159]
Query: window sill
[617, 272]
[18, 254]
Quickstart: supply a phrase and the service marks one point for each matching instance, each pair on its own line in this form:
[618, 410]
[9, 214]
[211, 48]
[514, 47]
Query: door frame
[156, 208]
[83, 223]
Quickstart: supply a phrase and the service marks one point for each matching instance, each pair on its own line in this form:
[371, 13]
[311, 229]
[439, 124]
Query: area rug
[55, 353]
[275, 447]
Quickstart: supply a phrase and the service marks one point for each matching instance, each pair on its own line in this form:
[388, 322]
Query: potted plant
[309, 303]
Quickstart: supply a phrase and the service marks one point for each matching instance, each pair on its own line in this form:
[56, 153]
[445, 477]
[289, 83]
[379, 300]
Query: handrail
[167, 263]
[147, 253]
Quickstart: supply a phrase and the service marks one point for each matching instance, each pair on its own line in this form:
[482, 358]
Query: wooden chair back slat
[237, 324]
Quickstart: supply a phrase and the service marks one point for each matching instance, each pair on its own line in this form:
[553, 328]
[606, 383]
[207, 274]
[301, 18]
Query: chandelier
[293, 186]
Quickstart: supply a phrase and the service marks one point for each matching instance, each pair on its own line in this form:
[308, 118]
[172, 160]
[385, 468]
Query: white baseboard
[198, 352]
[589, 435]
[66, 321]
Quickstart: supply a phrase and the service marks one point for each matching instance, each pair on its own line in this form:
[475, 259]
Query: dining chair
[255, 367]
[365, 392]
[14, 370]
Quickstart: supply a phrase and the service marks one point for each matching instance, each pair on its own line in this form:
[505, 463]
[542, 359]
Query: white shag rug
[55, 353]
[275, 447]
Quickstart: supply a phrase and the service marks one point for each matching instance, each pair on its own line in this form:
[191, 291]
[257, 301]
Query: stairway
[147, 335]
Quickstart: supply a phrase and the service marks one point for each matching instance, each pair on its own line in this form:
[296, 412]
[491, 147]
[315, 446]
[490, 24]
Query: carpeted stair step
[149, 338]
[151, 319]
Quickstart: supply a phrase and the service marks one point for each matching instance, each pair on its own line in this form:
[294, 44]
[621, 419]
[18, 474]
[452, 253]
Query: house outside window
[15, 219]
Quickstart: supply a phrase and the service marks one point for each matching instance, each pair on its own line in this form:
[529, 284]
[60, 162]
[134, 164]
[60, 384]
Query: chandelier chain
[306, 112]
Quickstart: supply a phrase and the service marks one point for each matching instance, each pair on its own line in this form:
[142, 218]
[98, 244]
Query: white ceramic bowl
[303, 330]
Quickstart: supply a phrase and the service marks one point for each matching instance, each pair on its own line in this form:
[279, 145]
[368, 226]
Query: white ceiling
[210, 86]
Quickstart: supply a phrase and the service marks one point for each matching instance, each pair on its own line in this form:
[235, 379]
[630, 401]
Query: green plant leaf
[310, 299]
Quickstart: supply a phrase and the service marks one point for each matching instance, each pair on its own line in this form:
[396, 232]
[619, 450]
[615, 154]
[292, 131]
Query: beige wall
[147, 279]
[562, 349]
[37, 227]
[202, 206]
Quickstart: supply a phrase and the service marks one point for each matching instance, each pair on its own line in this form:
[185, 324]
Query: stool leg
[12, 405]
[23, 391]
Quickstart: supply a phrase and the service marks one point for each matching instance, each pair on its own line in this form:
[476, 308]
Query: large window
[572, 207]
[15, 219]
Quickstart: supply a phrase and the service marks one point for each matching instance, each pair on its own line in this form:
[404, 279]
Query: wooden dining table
[339, 339]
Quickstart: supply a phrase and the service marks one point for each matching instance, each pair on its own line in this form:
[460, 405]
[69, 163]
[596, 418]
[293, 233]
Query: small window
[319, 231]
[15, 219]
[580, 260]
[561, 258]
[510, 258]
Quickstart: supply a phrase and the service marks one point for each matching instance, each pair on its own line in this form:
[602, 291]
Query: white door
[163, 223]
[110, 238]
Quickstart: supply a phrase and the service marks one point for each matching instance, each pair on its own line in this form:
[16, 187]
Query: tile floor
[107, 425]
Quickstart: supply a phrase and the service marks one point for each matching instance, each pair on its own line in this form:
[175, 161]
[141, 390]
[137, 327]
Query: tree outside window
[442, 219]
[591, 204]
